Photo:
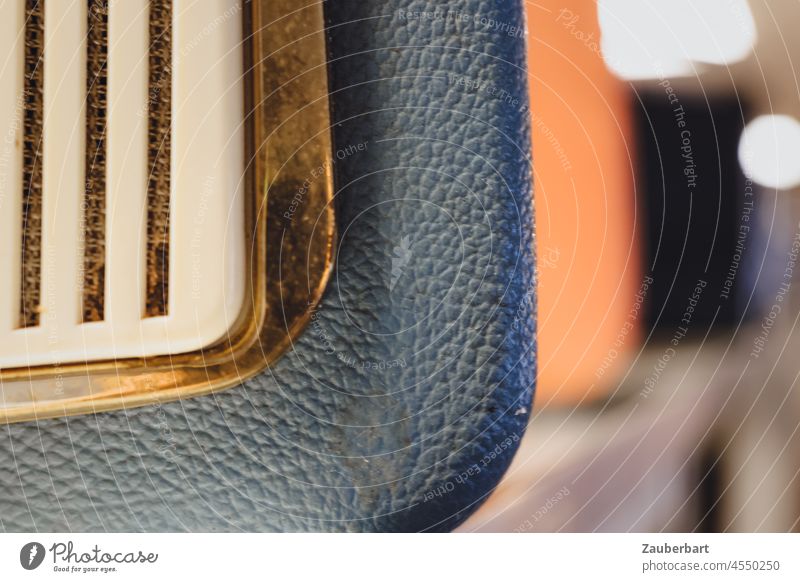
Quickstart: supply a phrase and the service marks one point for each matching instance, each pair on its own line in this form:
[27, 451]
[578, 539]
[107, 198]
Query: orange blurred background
[588, 257]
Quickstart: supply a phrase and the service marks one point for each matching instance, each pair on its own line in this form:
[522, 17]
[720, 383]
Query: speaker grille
[125, 215]
[226, 104]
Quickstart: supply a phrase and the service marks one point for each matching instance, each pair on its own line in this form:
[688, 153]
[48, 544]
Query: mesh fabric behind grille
[158, 155]
[30, 288]
[94, 214]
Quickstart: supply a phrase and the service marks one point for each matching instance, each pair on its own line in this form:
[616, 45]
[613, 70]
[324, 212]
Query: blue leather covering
[403, 402]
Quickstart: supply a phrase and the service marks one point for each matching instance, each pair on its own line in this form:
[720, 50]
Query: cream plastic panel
[206, 287]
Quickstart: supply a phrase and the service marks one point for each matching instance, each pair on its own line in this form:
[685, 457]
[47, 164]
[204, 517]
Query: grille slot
[94, 208]
[33, 96]
[158, 152]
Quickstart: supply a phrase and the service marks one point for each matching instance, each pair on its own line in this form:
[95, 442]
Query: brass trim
[290, 236]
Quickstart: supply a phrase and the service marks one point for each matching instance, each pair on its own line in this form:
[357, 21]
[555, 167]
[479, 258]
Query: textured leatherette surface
[401, 405]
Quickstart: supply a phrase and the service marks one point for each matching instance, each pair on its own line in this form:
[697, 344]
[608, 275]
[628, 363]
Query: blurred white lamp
[647, 39]
[769, 151]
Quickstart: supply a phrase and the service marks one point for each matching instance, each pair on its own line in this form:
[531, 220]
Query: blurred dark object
[695, 200]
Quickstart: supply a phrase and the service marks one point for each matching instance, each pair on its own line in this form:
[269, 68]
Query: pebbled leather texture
[403, 402]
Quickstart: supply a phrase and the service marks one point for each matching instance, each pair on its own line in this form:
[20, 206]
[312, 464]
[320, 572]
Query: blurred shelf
[629, 464]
